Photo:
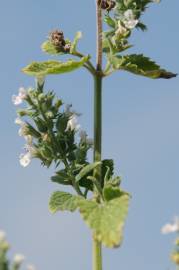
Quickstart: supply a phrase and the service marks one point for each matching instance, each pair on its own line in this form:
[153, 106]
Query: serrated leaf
[88, 168]
[74, 44]
[140, 65]
[106, 220]
[53, 67]
[63, 201]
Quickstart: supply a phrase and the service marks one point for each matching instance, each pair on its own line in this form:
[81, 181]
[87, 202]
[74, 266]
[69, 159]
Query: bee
[107, 4]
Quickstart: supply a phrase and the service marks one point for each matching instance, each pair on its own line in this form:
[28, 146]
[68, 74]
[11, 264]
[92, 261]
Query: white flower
[121, 30]
[169, 228]
[23, 129]
[20, 97]
[72, 123]
[18, 259]
[2, 236]
[31, 267]
[129, 19]
[25, 159]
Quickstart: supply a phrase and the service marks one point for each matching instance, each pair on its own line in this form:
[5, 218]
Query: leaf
[110, 192]
[107, 220]
[53, 67]
[62, 178]
[111, 22]
[88, 168]
[107, 168]
[140, 65]
[78, 36]
[49, 48]
[63, 201]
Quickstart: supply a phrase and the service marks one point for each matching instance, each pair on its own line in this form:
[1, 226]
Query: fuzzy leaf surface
[106, 220]
[140, 65]
[53, 67]
[63, 201]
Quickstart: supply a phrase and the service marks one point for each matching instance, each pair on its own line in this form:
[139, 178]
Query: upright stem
[97, 248]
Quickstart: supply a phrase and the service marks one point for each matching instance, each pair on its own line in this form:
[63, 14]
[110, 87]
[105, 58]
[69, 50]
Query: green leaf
[110, 192]
[88, 168]
[140, 65]
[53, 67]
[63, 201]
[106, 220]
[107, 169]
[74, 44]
[49, 48]
[62, 178]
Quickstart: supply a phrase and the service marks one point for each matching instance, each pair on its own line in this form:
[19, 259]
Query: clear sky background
[140, 131]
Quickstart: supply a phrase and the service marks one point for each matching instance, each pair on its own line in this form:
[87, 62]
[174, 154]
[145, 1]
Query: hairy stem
[97, 247]
[99, 25]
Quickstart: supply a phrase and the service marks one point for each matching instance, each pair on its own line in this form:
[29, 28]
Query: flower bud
[49, 114]
[41, 97]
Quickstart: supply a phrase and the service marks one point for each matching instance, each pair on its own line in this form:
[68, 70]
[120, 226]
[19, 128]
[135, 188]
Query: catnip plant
[53, 134]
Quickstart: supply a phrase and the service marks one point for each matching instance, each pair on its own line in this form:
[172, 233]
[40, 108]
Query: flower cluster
[126, 18]
[17, 260]
[50, 131]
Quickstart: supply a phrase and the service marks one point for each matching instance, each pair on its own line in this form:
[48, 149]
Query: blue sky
[140, 131]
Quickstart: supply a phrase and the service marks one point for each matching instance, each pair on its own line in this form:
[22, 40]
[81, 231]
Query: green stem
[97, 247]
[97, 255]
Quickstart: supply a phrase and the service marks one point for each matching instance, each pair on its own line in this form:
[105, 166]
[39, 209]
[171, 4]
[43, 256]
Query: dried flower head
[107, 4]
[56, 37]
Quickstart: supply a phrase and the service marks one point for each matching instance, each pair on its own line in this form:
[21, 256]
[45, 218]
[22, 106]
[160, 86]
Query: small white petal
[22, 93]
[16, 100]
[2, 236]
[170, 228]
[28, 139]
[18, 259]
[72, 123]
[18, 121]
[25, 159]
[128, 14]
[131, 23]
